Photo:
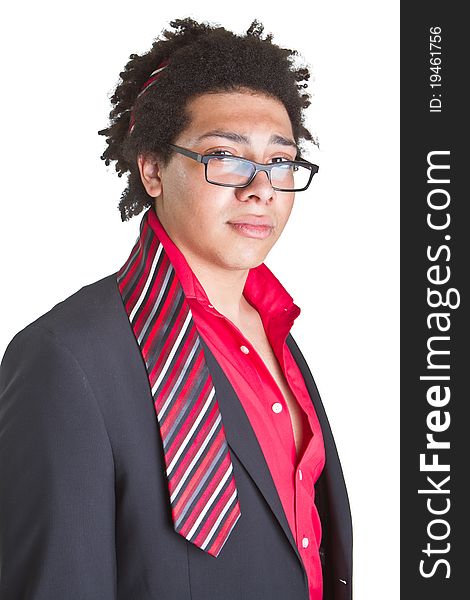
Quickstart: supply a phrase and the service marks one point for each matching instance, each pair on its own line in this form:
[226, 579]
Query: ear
[149, 170]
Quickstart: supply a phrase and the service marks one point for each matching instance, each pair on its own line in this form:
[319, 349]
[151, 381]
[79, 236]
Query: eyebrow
[241, 139]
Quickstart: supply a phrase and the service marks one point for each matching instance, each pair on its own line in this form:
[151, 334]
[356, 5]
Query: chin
[244, 262]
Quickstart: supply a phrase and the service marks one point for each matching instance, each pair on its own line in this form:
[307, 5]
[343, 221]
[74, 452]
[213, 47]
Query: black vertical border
[422, 132]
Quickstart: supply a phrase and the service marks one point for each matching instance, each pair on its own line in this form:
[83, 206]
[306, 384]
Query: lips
[255, 220]
[252, 226]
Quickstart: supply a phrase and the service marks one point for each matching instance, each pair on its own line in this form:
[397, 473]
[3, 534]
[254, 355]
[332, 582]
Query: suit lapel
[244, 443]
[333, 507]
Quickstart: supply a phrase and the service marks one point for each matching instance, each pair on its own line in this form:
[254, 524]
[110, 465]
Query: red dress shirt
[260, 396]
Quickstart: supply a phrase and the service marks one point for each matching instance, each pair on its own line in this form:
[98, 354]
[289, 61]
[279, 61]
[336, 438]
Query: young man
[161, 435]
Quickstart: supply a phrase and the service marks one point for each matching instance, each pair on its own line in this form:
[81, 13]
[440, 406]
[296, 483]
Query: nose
[260, 188]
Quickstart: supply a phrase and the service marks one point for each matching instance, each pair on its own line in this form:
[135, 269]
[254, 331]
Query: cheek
[285, 209]
[203, 217]
[211, 207]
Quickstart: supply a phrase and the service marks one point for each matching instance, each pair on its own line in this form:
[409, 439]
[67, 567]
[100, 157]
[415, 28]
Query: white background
[338, 257]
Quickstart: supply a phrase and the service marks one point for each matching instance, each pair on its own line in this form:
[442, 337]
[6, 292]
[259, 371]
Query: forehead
[248, 113]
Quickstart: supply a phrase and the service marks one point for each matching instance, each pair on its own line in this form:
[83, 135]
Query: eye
[220, 152]
[281, 159]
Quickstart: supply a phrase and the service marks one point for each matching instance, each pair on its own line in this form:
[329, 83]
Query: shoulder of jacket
[85, 314]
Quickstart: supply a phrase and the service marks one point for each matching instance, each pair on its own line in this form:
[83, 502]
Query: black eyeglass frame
[204, 159]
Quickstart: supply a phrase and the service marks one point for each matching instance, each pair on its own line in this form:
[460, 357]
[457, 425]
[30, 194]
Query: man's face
[206, 221]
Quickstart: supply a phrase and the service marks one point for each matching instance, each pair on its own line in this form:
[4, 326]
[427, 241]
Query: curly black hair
[202, 58]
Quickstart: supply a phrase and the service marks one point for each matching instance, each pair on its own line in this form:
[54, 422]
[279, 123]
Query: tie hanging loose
[203, 495]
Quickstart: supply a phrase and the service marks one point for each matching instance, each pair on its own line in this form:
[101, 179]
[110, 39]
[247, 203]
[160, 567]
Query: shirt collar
[262, 288]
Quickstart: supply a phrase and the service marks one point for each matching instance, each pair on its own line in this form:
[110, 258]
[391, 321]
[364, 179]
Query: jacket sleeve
[57, 504]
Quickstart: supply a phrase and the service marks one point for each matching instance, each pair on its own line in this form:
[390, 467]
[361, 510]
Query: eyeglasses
[234, 171]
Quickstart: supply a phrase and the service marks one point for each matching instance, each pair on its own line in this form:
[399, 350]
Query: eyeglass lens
[231, 171]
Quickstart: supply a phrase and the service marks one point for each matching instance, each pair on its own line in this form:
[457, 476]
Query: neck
[223, 287]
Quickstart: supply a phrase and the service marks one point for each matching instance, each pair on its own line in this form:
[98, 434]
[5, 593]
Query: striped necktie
[203, 495]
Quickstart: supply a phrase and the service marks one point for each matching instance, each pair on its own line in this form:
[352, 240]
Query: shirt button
[300, 474]
[305, 541]
[244, 349]
[276, 407]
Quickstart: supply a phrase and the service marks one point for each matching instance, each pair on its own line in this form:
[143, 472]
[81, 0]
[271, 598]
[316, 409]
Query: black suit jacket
[84, 506]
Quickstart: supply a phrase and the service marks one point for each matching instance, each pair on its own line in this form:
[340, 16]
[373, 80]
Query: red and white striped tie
[203, 494]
